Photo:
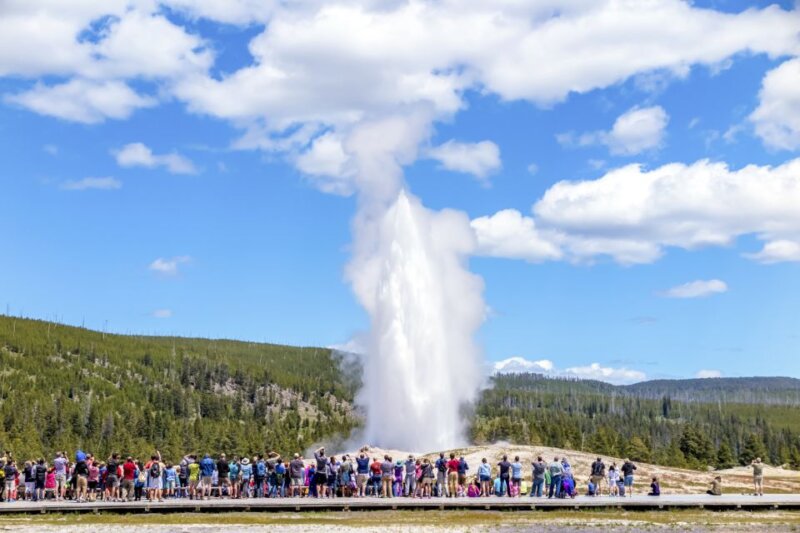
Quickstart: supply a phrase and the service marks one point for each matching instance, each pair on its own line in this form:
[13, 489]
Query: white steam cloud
[421, 365]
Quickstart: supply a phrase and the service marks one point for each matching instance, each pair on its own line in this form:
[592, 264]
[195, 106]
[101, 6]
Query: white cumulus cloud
[105, 184]
[333, 66]
[162, 313]
[777, 117]
[696, 289]
[705, 374]
[605, 373]
[509, 234]
[168, 267]
[632, 214]
[479, 159]
[777, 252]
[139, 155]
[595, 371]
[514, 365]
[82, 100]
[633, 132]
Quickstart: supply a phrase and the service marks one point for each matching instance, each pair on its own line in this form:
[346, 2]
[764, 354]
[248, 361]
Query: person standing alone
[758, 476]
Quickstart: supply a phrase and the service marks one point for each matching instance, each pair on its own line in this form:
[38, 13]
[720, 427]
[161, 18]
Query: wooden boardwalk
[725, 502]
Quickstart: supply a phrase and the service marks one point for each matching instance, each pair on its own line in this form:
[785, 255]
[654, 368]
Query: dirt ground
[673, 480]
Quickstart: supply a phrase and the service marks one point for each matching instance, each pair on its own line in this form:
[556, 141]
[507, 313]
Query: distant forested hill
[763, 390]
[62, 387]
[695, 423]
[754, 390]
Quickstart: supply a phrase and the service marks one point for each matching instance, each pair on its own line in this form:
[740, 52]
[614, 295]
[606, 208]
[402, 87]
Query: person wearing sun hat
[296, 470]
[245, 473]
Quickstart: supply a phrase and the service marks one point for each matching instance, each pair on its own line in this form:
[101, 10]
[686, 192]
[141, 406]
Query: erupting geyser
[421, 365]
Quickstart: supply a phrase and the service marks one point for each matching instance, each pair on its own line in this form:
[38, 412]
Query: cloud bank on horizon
[326, 85]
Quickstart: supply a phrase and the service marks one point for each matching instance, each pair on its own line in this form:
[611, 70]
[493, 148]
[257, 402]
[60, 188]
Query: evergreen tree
[753, 447]
[725, 457]
[637, 450]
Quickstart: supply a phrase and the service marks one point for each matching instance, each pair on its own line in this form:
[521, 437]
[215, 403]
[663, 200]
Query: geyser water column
[422, 366]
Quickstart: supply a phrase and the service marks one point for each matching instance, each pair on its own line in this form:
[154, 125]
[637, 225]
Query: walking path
[725, 502]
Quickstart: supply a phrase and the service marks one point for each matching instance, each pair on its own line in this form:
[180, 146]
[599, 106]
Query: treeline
[64, 387]
[598, 417]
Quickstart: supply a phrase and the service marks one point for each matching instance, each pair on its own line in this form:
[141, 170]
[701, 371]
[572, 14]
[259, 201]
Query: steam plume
[409, 272]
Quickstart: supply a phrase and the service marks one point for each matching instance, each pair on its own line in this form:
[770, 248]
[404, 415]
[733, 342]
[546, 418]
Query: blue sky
[199, 233]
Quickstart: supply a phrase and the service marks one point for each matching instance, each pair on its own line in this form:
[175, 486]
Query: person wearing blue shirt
[207, 468]
[485, 476]
[247, 472]
[462, 472]
[516, 476]
[362, 474]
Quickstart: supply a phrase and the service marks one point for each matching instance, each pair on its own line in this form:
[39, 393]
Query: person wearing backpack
[280, 478]
[155, 469]
[598, 473]
[233, 475]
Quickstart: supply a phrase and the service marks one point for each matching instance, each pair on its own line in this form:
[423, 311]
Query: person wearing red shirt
[375, 477]
[128, 477]
[452, 475]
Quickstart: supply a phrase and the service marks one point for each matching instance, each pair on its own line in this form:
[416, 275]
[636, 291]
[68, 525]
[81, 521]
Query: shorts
[39, 484]
[361, 479]
[155, 483]
[320, 478]
[61, 480]
[225, 482]
[758, 479]
[170, 484]
[193, 483]
[112, 482]
[30, 486]
[484, 479]
[206, 481]
[332, 480]
[297, 482]
[628, 481]
[93, 485]
[427, 481]
[462, 479]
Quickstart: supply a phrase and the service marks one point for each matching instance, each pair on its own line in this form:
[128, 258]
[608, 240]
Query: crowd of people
[87, 478]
